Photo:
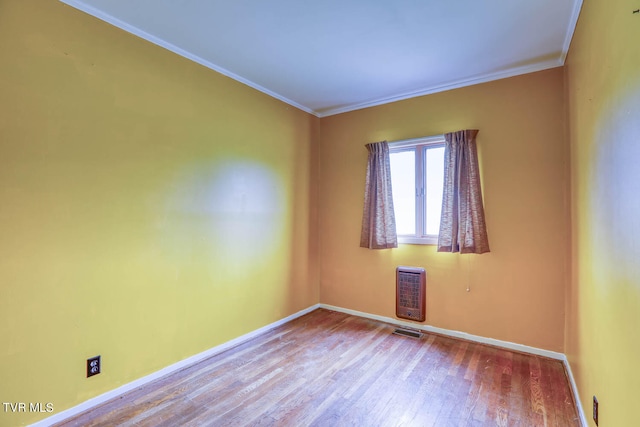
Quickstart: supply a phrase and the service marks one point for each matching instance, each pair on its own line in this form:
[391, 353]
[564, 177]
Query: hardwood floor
[333, 369]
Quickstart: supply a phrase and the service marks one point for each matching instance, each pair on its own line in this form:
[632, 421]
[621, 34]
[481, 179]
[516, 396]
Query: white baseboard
[95, 401]
[68, 413]
[470, 337]
[576, 395]
[454, 334]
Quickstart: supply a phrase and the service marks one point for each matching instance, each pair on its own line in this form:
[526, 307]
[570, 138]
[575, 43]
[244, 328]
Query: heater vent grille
[407, 333]
[410, 293]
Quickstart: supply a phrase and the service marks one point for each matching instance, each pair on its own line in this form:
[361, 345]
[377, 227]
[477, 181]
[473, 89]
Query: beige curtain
[378, 219]
[462, 225]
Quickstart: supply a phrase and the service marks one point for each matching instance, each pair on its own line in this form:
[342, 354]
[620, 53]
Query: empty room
[364, 213]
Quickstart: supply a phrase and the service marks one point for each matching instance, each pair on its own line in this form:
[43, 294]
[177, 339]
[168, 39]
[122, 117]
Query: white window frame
[418, 144]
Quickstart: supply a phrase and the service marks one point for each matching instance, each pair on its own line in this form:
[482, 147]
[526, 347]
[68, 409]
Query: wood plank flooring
[332, 369]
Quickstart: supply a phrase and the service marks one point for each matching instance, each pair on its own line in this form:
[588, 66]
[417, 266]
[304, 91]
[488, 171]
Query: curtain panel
[462, 224]
[378, 218]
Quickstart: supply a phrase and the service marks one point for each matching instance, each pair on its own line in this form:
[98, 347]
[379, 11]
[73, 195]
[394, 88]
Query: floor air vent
[410, 293]
[407, 333]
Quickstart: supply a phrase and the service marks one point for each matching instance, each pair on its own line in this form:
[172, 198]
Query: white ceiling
[332, 56]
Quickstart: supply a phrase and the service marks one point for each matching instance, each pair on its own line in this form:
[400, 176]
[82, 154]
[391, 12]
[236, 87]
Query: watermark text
[27, 406]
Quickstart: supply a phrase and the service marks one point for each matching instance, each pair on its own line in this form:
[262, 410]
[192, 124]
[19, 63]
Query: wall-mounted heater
[410, 293]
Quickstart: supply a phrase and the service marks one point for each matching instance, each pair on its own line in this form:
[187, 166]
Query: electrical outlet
[595, 410]
[93, 366]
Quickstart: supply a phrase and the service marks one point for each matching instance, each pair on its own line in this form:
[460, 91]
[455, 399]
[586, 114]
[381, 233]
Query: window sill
[413, 240]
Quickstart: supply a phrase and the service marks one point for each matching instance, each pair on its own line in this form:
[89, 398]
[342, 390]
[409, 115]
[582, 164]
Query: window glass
[434, 171]
[403, 181]
[417, 176]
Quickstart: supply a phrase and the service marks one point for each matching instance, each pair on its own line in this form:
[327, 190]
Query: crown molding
[481, 78]
[90, 10]
[573, 22]
[325, 112]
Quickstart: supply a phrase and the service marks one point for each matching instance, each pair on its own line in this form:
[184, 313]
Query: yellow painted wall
[150, 208]
[518, 290]
[603, 311]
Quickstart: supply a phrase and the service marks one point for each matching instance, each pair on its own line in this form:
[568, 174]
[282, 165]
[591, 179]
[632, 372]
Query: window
[417, 174]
